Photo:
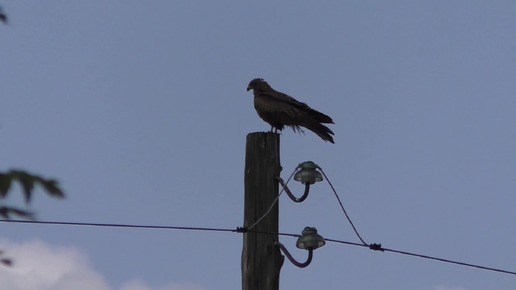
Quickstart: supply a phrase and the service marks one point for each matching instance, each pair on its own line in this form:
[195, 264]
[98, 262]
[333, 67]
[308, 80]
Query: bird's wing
[274, 108]
[318, 116]
[282, 97]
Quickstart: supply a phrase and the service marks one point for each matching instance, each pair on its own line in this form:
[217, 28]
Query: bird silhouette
[280, 110]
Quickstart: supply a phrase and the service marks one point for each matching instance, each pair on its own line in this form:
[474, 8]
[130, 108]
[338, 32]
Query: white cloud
[44, 267]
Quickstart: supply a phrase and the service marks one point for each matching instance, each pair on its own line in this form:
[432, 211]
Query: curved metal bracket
[289, 193]
[293, 261]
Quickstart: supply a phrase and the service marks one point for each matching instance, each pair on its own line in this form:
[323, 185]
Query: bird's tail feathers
[320, 117]
[322, 131]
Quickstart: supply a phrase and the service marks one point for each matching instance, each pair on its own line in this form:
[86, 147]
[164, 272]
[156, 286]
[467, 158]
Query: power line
[120, 226]
[372, 246]
[375, 247]
[343, 210]
[272, 205]
[378, 247]
[382, 249]
[449, 261]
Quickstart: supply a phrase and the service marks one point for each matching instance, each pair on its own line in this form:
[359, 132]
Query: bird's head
[257, 84]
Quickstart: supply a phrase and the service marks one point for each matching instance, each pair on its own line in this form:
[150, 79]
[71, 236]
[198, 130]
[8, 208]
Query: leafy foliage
[27, 182]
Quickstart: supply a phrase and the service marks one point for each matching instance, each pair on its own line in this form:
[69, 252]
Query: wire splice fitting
[376, 247]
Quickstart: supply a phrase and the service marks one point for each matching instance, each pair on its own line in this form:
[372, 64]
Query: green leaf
[6, 212]
[52, 188]
[27, 183]
[5, 184]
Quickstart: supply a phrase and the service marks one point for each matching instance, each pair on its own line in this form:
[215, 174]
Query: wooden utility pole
[261, 258]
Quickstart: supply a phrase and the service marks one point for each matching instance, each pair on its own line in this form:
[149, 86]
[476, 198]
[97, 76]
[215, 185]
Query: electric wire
[241, 230]
[273, 203]
[448, 261]
[119, 225]
[382, 249]
[343, 209]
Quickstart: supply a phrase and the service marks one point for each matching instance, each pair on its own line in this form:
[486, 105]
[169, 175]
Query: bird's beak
[249, 88]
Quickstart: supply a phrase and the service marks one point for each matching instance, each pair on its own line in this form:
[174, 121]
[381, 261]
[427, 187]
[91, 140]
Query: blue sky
[139, 109]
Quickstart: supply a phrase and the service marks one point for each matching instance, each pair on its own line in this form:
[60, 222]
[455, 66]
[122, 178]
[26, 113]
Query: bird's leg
[274, 129]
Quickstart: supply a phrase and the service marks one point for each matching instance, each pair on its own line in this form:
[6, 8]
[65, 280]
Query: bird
[280, 110]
